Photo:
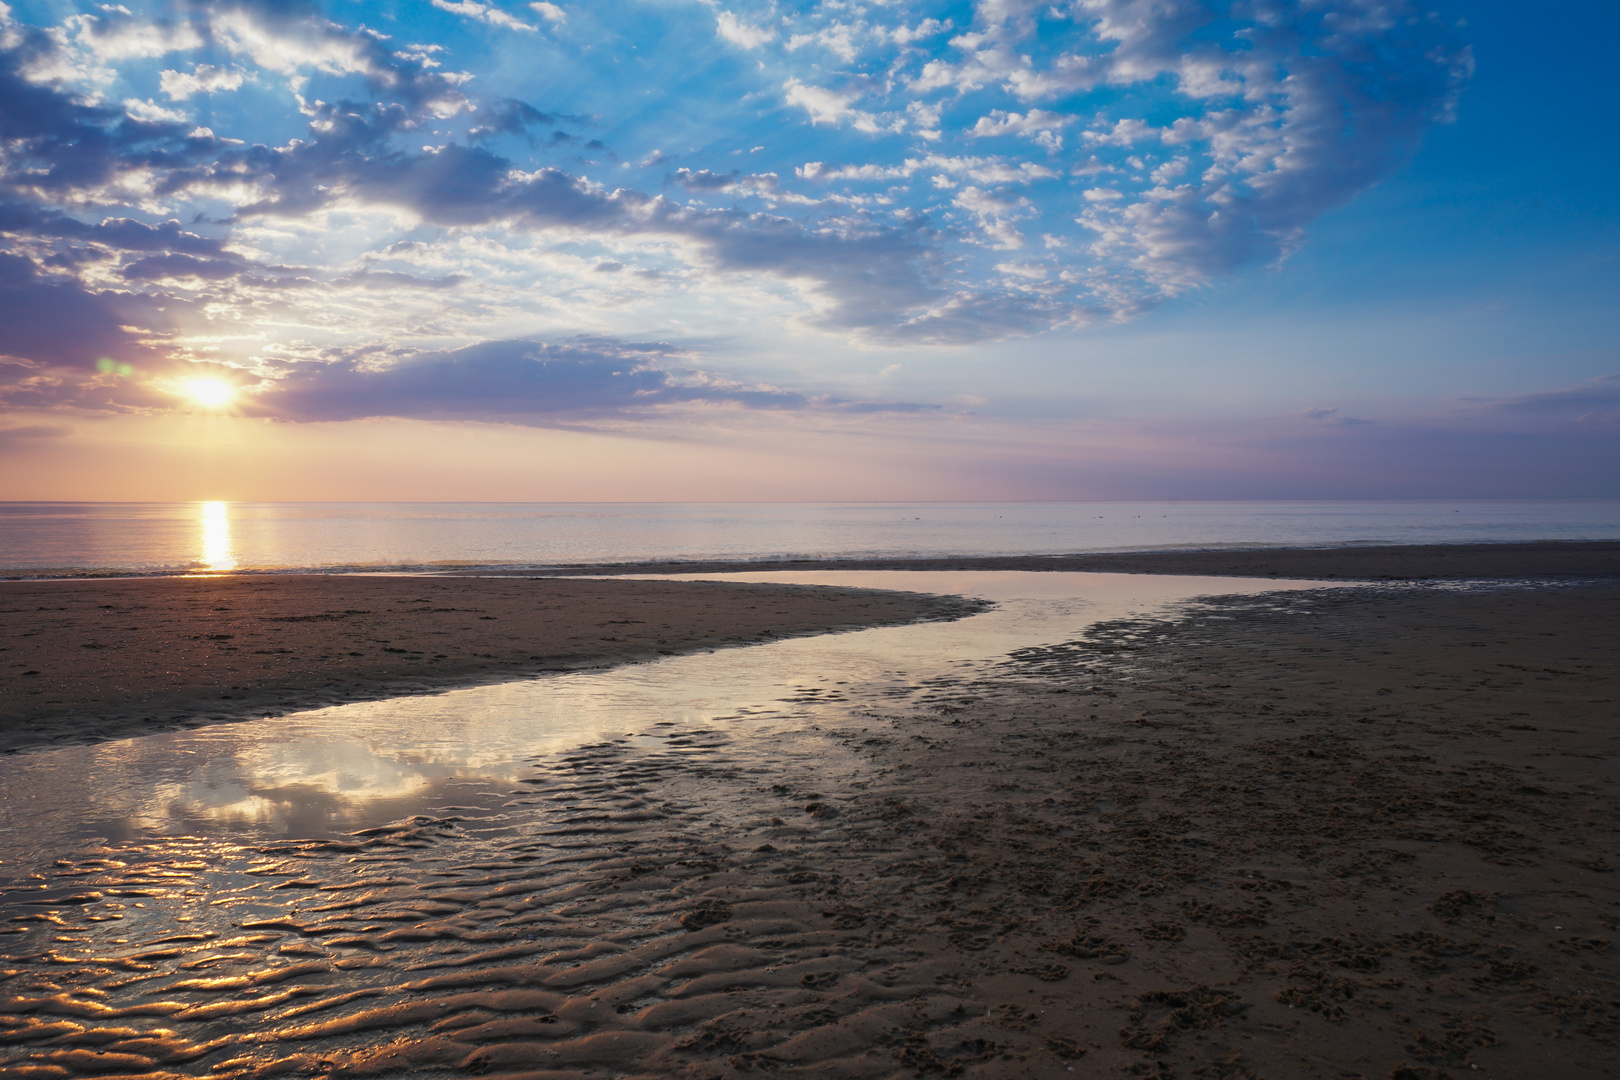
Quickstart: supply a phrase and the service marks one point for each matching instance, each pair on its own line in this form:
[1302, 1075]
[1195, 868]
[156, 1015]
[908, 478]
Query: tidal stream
[435, 882]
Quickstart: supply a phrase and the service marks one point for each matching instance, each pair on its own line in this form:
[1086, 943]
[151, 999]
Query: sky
[713, 250]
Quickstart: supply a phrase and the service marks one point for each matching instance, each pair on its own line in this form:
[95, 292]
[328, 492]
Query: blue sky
[824, 250]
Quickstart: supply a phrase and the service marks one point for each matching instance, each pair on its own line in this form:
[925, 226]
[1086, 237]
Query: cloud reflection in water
[332, 771]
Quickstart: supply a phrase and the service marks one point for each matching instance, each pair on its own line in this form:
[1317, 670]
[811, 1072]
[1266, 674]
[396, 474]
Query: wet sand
[84, 660]
[1361, 833]
[1389, 562]
[1344, 834]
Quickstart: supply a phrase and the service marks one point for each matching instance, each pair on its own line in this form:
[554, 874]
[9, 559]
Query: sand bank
[1553, 558]
[1335, 835]
[1360, 834]
[83, 659]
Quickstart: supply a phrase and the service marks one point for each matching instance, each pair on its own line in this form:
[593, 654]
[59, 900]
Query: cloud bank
[522, 382]
[278, 188]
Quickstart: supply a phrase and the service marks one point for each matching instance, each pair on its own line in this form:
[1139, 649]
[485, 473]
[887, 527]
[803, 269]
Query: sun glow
[210, 393]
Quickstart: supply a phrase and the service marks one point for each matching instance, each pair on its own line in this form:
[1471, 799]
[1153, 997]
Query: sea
[67, 539]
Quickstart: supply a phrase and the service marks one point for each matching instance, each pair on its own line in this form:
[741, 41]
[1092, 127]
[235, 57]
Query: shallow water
[331, 771]
[218, 900]
[220, 536]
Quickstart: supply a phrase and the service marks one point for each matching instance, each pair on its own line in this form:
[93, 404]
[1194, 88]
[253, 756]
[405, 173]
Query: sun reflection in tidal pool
[217, 556]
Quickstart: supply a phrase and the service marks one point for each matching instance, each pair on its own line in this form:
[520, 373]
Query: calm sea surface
[215, 536]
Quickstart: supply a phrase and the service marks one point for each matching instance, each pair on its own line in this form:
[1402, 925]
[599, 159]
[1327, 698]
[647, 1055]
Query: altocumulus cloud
[212, 182]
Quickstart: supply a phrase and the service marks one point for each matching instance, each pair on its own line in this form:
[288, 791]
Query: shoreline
[87, 660]
[1379, 562]
[1347, 833]
[186, 660]
[1368, 562]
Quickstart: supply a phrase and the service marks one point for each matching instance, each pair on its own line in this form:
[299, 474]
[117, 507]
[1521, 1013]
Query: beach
[1345, 836]
[112, 657]
[90, 659]
[1368, 831]
[1382, 562]
[808, 541]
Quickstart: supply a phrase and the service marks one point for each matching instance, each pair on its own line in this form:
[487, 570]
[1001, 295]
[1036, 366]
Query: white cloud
[1068, 74]
[979, 69]
[289, 53]
[741, 34]
[1043, 127]
[549, 12]
[905, 35]
[839, 38]
[925, 120]
[816, 170]
[1170, 170]
[1028, 271]
[488, 13]
[1124, 133]
[985, 170]
[86, 49]
[152, 113]
[978, 169]
[827, 106]
[995, 215]
[114, 38]
[203, 79]
[824, 106]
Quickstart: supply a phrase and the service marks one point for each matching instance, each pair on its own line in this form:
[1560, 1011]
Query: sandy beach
[1368, 832]
[89, 659]
[545, 540]
[1383, 562]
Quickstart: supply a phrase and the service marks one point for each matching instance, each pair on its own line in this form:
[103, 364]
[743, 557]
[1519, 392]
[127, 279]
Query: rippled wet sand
[576, 927]
[705, 886]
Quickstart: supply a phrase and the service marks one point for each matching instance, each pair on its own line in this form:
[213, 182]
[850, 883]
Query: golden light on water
[210, 393]
[217, 555]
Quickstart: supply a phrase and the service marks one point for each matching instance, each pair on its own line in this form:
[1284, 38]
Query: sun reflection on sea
[217, 556]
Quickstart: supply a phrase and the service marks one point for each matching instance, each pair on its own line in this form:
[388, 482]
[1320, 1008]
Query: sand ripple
[622, 909]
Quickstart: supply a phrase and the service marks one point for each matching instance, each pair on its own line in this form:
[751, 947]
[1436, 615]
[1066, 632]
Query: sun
[210, 393]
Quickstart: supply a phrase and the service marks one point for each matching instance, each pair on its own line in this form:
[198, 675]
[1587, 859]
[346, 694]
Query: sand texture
[1360, 834]
[82, 660]
[1556, 558]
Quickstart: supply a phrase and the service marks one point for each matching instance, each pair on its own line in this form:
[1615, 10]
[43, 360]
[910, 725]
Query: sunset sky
[705, 249]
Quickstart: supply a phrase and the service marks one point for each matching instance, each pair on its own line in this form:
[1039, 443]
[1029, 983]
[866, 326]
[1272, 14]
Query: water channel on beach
[335, 770]
[333, 851]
